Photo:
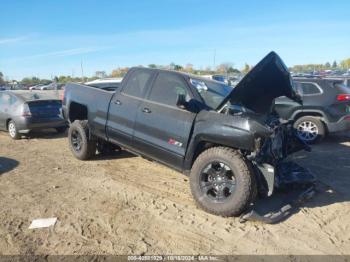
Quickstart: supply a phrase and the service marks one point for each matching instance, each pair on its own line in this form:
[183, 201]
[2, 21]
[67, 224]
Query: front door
[162, 129]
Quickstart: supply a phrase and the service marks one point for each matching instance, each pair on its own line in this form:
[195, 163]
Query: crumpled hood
[268, 80]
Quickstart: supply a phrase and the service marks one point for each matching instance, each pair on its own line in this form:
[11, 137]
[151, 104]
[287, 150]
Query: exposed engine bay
[275, 141]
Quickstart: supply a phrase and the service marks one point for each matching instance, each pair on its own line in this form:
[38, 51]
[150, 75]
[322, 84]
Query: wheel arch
[199, 145]
[77, 111]
[312, 113]
[7, 123]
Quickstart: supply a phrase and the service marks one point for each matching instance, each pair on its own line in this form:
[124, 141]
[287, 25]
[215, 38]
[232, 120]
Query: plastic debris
[43, 222]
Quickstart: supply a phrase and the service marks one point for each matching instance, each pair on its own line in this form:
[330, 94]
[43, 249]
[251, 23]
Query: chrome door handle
[117, 102]
[146, 110]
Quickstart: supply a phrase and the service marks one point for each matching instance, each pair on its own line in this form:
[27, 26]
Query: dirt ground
[124, 204]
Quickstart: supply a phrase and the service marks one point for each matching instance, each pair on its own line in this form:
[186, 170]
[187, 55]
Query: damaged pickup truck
[229, 141]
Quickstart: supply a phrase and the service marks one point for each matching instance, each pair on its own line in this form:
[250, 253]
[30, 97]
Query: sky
[45, 38]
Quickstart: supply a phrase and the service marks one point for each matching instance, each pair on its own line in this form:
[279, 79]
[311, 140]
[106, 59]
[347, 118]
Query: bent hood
[268, 80]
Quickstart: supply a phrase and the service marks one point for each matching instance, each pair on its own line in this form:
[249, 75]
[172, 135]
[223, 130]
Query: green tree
[119, 72]
[178, 67]
[327, 65]
[189, 68]
[224, 67]
[152, 66]
[345, 64]
[2, 81]
[334, 65]
[246, 68]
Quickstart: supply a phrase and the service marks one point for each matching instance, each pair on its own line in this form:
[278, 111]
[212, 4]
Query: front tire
[222, 183]
[81, 146]
[13, 131]
[310, 129]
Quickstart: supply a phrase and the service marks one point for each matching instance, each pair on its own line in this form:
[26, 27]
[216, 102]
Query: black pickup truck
[229, 141]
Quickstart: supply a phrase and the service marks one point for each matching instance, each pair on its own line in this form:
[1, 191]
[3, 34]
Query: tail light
[62, 93]
[343, 97]
[26, 111]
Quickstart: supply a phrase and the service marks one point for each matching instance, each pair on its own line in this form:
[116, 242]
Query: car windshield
[213, 93]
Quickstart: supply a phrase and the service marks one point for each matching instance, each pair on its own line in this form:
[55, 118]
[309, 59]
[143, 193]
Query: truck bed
[95, 99]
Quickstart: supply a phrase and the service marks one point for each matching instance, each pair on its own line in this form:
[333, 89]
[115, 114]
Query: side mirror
[181, 101]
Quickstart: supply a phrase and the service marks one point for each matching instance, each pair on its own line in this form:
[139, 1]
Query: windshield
[213, 93]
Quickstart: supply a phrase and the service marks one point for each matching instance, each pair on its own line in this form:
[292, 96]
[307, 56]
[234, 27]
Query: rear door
[162, 129]
[313, 95]
[5, 110]
[124, 106]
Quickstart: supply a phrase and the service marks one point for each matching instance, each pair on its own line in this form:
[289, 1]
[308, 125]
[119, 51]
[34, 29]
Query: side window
[13, 100]
[137, 83]
[166, 89]
[310, 89]
[5, 99]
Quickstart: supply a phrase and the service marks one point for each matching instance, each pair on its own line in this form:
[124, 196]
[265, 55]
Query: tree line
[224, 68]
[343, 65]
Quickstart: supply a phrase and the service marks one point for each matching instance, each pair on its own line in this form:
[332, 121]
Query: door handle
[146, 110]
[117, 102]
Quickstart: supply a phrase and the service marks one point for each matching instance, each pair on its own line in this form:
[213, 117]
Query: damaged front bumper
[275, 173]
[271, 168]
[285, 176]
[296, 182]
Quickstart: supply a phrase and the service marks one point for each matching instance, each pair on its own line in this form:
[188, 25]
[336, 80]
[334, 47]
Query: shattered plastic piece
[282, 213]
[290, 174]
[43, 222]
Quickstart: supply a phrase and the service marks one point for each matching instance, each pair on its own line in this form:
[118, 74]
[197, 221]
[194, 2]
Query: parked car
[51, 86]
[226, 139]
[219, 78]
[325, 108]
[24, 111]
[35, 87]
[345, 79]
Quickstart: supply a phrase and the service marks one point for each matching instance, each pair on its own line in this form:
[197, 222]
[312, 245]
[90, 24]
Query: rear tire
[238, 182]
[310, 129]
[13, 131]
[81, 146]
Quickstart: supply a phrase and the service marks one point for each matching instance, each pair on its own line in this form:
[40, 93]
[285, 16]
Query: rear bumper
[26, 124]
[343, 124]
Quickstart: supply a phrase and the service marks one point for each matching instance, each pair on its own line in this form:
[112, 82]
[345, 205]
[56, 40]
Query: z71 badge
[174, 142]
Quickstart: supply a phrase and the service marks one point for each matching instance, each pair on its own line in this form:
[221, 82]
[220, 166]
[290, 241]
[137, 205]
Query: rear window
[106, 86]
[45, 95]
[7, 99]
[137, 82]
[348, 82]
[309, 88]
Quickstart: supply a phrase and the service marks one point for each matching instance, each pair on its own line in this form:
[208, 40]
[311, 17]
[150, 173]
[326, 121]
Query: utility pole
[82, 71]
[214, 60]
